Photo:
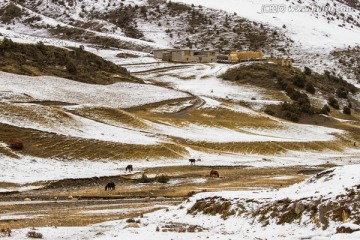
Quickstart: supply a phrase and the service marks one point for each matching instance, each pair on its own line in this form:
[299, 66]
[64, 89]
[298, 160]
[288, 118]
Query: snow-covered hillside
[322, 24]
[322, 207]
[307, 31]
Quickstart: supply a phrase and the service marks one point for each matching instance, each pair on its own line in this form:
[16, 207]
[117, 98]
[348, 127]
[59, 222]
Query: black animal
[129, 168]
[192, 161]
[214, 173]
[110, 186]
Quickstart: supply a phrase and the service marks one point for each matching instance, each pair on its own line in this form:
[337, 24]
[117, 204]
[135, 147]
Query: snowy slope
[117, 95]
[53, 15]
[44, 119]
[308, 28]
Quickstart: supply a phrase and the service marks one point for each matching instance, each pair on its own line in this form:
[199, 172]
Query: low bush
[71, 67]
[325, 109]
[291, 111]
[269, 112]
[307, 71]
[310, 88]
[163, 178]
[342, 92]
[333, 102]
[299, 81]
[347, 110]
[144, 179]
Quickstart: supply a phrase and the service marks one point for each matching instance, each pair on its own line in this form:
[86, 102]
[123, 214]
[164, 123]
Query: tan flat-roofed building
[281, 61]
[186, 55]
[242, 56]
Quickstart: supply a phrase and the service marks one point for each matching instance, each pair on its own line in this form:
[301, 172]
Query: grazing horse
[129, 168]
[110, 186]
[192, 161]
[214, 174]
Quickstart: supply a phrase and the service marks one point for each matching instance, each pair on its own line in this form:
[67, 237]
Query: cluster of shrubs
[9, 13]
[178, 7]
[297, 85]
[68, 32]
[124, 17]
[343, 87]
[162, 178]
[300, 81]
[301, 102]
[335, 104]
[79, 65]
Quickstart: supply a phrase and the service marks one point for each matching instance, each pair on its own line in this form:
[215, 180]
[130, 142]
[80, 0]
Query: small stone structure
[280, 61]
[186, 55]
[244, 56]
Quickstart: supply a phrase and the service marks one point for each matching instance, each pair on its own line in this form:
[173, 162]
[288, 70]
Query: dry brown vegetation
[112, 116]
[266, 148]
[220, 117]
[50, 145]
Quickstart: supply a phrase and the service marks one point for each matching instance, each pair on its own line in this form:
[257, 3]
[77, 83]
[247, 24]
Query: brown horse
[192, 161]
[214, 174]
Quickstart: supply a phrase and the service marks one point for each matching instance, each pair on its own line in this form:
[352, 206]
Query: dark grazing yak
[110, 186]
[129, 168]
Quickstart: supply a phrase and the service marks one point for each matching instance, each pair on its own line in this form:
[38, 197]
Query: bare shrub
[163, 178]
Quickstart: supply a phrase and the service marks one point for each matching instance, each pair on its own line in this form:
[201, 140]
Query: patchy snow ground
[117, 95]
[20, 189]
[31, 169]
[328, 185]
[203, 80]
[292, 133]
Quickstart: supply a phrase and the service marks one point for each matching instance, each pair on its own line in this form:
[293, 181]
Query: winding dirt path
[162, 69]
